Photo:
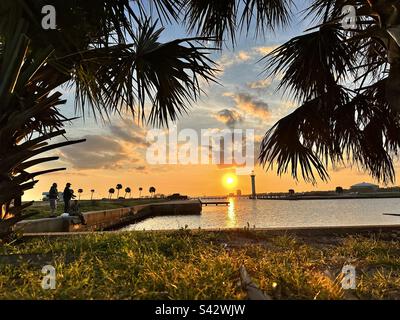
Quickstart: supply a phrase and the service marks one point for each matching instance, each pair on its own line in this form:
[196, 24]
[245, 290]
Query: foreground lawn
[201, 265]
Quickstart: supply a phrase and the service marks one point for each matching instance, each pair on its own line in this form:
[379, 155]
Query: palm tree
[80, 191]
[118, 187]
[339, 190]
[111, 191]
[140, 192]
[127, 190]
[92, 193]
[152, 191]
[111, 53]
[347, 85]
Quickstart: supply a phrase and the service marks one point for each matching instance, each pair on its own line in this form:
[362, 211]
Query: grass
[203, 265]
[43, 210]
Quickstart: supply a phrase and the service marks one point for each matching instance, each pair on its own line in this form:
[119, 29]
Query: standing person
[67, 196]
[53, 197]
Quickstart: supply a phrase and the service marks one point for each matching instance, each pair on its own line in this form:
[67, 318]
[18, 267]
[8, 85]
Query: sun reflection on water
[231, 221]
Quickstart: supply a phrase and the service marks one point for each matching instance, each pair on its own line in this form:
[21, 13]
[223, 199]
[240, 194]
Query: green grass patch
[188, 264]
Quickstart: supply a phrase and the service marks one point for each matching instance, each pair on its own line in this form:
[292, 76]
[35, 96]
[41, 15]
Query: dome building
[364, 187]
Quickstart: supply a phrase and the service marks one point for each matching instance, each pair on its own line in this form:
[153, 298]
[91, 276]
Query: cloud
[97, 152]
[140, 168]
[265, 50]
[250, 104]
[128, 132]
[121, 148]
[260, 84]
[228, 60]
[229, 117]
[252, 55]
[243, 56]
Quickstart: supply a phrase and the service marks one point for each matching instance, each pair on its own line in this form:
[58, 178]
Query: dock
[214, 203]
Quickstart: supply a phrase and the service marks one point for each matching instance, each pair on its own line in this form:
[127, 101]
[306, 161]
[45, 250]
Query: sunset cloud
[265, 50]
[250, 104]
[127, 131]
[244, 56]
[229, 117]
[97, 152]
[140, 168]
[260, 84]
[121, 148]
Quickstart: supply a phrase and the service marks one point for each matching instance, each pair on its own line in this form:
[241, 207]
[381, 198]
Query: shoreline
[289, 231]
[349, 197]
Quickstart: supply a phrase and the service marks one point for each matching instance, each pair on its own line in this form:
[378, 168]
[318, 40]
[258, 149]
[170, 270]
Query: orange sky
[194, 180]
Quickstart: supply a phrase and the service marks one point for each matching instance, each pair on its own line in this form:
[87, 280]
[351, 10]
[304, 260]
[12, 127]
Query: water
[282, 213]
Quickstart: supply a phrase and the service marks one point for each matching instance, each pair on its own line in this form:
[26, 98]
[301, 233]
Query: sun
[229, 181]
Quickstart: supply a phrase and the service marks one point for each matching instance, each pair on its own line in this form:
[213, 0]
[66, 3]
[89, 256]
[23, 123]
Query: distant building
[364, 187]
[231, 194]
[238, 193]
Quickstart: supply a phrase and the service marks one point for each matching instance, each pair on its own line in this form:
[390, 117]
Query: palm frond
[29, 117]
[268, 15]
[224, 18]
[359, 129]
[165, 75]
[311, 64]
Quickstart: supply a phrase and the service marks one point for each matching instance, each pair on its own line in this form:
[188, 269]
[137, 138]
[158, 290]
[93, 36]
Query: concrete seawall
[109, 219]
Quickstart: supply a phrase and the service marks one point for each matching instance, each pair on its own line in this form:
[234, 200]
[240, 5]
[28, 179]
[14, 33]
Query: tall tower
[253, 185]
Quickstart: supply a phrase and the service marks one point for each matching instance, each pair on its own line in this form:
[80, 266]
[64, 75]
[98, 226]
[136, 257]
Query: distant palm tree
[80, 191]
[92, 191]
[140, 192]
[339, 190]
[127, 190]
[152, 191]
[118, 187]
[111, 191]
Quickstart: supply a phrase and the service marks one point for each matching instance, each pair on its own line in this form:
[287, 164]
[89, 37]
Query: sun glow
[229, 181]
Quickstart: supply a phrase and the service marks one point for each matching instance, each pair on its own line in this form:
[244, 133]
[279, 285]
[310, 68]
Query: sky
[115, 151]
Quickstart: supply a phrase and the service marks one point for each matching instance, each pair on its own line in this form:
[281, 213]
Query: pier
[215, 203]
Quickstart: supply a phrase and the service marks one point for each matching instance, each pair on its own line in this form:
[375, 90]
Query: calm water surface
[282, 213]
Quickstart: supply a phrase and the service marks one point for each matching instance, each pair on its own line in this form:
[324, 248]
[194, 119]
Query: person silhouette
[53, 197]
[67, 196]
